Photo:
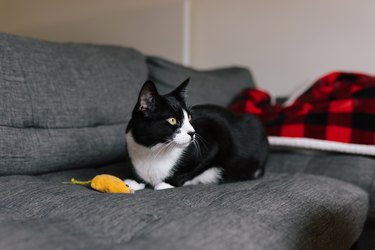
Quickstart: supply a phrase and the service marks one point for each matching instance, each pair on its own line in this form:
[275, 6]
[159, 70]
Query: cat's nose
[191, 133]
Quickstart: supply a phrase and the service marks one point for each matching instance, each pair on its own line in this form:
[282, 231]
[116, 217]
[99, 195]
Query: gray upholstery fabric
[217, 86]
[64, 105]
[276, 212]
[33, 150]
[354, 169]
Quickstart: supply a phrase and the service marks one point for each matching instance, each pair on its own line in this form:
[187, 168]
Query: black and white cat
[171, 145]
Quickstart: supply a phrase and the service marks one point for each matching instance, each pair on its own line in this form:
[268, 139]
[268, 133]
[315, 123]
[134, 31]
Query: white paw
[134, 185]
[189, 183]
[163, 185]
[210, 176]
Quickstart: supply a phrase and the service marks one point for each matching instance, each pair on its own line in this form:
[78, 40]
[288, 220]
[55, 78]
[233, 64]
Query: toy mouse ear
[181, 91]
[148, 97]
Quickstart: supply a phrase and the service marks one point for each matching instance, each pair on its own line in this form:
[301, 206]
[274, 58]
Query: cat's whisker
[199, 149]
[195, 147]
[202, 140]
[162, 148]
[157, 153]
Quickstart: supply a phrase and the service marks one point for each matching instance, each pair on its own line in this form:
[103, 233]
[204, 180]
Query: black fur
[148, 118]
[235, 143]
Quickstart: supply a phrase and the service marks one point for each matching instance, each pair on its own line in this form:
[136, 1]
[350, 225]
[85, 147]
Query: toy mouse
[106, 183]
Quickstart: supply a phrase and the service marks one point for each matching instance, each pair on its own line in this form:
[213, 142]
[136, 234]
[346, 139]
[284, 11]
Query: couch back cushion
[217, 86]
[64, 105]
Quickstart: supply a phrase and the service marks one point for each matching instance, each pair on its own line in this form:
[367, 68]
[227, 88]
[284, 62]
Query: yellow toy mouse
[106, 183]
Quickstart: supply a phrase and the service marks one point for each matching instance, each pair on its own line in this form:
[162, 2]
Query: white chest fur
[153, 164]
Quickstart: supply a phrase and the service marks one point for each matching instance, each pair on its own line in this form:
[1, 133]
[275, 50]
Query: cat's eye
[189, 117]
[172, 121]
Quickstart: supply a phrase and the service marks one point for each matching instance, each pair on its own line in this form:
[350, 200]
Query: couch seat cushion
[358, 170]
[276, 212]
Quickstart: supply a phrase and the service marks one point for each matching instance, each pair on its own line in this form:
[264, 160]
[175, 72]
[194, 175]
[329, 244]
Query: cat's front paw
[163, 185]
[134, 185]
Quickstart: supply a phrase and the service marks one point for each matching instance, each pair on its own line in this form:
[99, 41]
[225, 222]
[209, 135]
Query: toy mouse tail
[76, 182]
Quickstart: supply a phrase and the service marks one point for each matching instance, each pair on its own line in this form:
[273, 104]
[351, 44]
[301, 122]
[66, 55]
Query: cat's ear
[181, 91]
[148, 97]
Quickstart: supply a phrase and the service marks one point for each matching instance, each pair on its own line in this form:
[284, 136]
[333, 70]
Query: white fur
[156, 163]
[210, 176]
[152, 164]
[134, 185]
[182, 137]
[163, 185]
[258, 173]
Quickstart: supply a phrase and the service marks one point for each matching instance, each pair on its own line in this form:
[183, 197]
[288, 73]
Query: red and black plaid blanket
[339, 107]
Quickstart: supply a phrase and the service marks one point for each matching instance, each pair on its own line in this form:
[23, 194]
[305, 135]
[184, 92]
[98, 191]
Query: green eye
[172, 121]
[189, 117]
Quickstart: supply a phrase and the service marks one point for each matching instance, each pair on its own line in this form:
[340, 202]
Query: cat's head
[161, 118]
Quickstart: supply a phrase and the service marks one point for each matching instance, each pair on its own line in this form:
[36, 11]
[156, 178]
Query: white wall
[284, 42]
[287, 42]
[152, 26]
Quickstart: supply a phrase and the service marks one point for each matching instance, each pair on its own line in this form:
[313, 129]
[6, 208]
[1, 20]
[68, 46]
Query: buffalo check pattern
[339, 108]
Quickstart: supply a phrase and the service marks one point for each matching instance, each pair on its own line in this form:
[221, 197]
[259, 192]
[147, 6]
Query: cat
[172, 145]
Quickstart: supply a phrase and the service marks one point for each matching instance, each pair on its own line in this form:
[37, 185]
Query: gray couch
[63, 111]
